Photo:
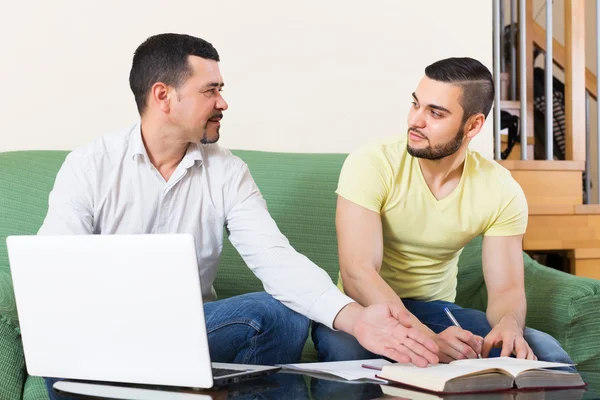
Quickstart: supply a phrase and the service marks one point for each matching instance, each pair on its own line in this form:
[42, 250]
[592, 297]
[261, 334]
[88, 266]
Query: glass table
[285, 385]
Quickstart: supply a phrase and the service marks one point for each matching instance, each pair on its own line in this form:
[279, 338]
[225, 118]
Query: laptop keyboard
[222, 371]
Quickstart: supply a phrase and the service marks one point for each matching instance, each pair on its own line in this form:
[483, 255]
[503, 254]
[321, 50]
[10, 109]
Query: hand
[386, 329]
[457, 344]
[510, 336]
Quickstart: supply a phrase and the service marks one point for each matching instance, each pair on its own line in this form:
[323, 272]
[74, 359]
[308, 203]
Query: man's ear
[160, 95]
[474, 125]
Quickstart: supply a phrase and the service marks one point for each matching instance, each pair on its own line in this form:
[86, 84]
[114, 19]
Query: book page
[511, 365]
[438, 373]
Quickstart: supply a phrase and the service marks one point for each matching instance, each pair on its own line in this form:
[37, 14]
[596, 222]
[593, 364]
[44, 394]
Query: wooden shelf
[587, 209]
[504, 139]
[548, 165]
[510, 105]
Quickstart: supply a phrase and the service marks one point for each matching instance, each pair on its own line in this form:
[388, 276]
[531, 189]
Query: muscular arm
[507, 306]
[504, 279]
[360, 244]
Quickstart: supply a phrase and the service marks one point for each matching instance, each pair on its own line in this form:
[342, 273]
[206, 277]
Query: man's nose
[416, 119]
[221, 103]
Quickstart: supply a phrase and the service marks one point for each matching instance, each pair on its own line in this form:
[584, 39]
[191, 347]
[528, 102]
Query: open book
[482, 375]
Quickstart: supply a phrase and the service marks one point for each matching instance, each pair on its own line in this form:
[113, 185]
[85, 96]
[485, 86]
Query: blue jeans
[339, 346]
[253, 328]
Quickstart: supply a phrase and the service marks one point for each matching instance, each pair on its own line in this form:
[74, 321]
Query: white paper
[349, 370]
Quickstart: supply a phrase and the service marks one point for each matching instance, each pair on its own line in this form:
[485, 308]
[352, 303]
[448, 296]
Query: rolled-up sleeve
[287, 275]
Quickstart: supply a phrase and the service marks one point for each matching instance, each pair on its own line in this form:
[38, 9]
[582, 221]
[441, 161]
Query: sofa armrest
[566, 307]
[35, 389]
[12, 361]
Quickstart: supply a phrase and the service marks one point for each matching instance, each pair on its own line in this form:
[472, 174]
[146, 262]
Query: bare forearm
[508, 307]
[368, 287]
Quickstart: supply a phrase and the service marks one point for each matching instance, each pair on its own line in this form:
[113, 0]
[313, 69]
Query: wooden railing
[539, 39]
[571, 58]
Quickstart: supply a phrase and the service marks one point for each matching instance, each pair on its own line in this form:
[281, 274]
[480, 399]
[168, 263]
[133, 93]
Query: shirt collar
[136, 144]
[193, 155]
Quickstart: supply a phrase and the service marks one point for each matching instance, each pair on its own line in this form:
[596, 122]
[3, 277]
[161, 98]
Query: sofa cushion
[470, 288]
[35, 389]
[12, 362]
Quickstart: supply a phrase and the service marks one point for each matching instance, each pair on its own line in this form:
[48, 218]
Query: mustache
[418, 132]
[217, 115]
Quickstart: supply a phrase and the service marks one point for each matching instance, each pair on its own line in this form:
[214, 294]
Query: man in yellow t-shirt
[408, 206]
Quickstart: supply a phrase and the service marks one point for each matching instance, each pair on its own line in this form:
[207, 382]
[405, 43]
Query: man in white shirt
[166, 174]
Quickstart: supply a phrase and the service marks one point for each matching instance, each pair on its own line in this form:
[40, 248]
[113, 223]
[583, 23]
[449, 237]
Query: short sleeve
[365, 179]
[513, 214]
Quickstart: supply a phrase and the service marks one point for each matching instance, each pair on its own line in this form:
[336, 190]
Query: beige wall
[314, 76]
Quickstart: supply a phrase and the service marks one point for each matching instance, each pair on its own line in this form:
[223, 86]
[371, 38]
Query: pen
[455, 322]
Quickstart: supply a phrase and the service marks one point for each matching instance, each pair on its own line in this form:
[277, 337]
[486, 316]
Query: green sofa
[299, 189]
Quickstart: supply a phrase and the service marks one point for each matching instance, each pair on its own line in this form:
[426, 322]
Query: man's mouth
[217, 118]
[417, 134]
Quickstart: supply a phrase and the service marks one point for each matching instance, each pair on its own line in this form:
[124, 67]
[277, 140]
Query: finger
[486, 346]
[401, 315]
[473, 344]
[521, 348]
[479, 340]
[423, 339]
[450, 351]
[530, 355]
[508, 345]
[420, 350]
[464, 349]
[396, 355]
[488, 342]
[461, 334]
[399, 347]
[443, 357]
[418, 360]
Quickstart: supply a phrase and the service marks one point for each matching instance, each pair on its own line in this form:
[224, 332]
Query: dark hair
[164, 58]
[473, 77]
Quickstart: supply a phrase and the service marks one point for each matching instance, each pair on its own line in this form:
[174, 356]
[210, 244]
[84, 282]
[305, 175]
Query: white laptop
[116, 308]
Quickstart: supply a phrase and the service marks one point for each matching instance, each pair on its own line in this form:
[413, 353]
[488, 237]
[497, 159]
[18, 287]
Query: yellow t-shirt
[422, 236]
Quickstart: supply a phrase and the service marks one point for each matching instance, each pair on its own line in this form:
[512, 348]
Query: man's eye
[414, 103]
[212, 92]
[435, 114]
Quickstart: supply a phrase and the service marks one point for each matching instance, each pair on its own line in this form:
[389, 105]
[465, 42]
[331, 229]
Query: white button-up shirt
[111, 187]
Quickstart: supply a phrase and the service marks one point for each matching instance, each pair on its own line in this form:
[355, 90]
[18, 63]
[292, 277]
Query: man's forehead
[206, 69]
[436, 92]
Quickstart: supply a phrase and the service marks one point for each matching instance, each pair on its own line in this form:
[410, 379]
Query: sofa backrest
[26, 178]
[300, 194]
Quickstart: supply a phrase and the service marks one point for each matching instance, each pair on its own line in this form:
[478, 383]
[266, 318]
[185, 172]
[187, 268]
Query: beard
[206, 140]
[438, 151]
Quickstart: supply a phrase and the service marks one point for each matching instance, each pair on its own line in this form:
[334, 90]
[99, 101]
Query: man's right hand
[386, 329]
[457, 344]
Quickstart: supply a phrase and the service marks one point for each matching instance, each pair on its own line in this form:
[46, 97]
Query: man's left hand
[509, 335]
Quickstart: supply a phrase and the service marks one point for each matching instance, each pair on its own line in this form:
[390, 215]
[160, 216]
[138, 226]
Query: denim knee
[280, 328]
[337, 345]
[545, 347]
[283, 322]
